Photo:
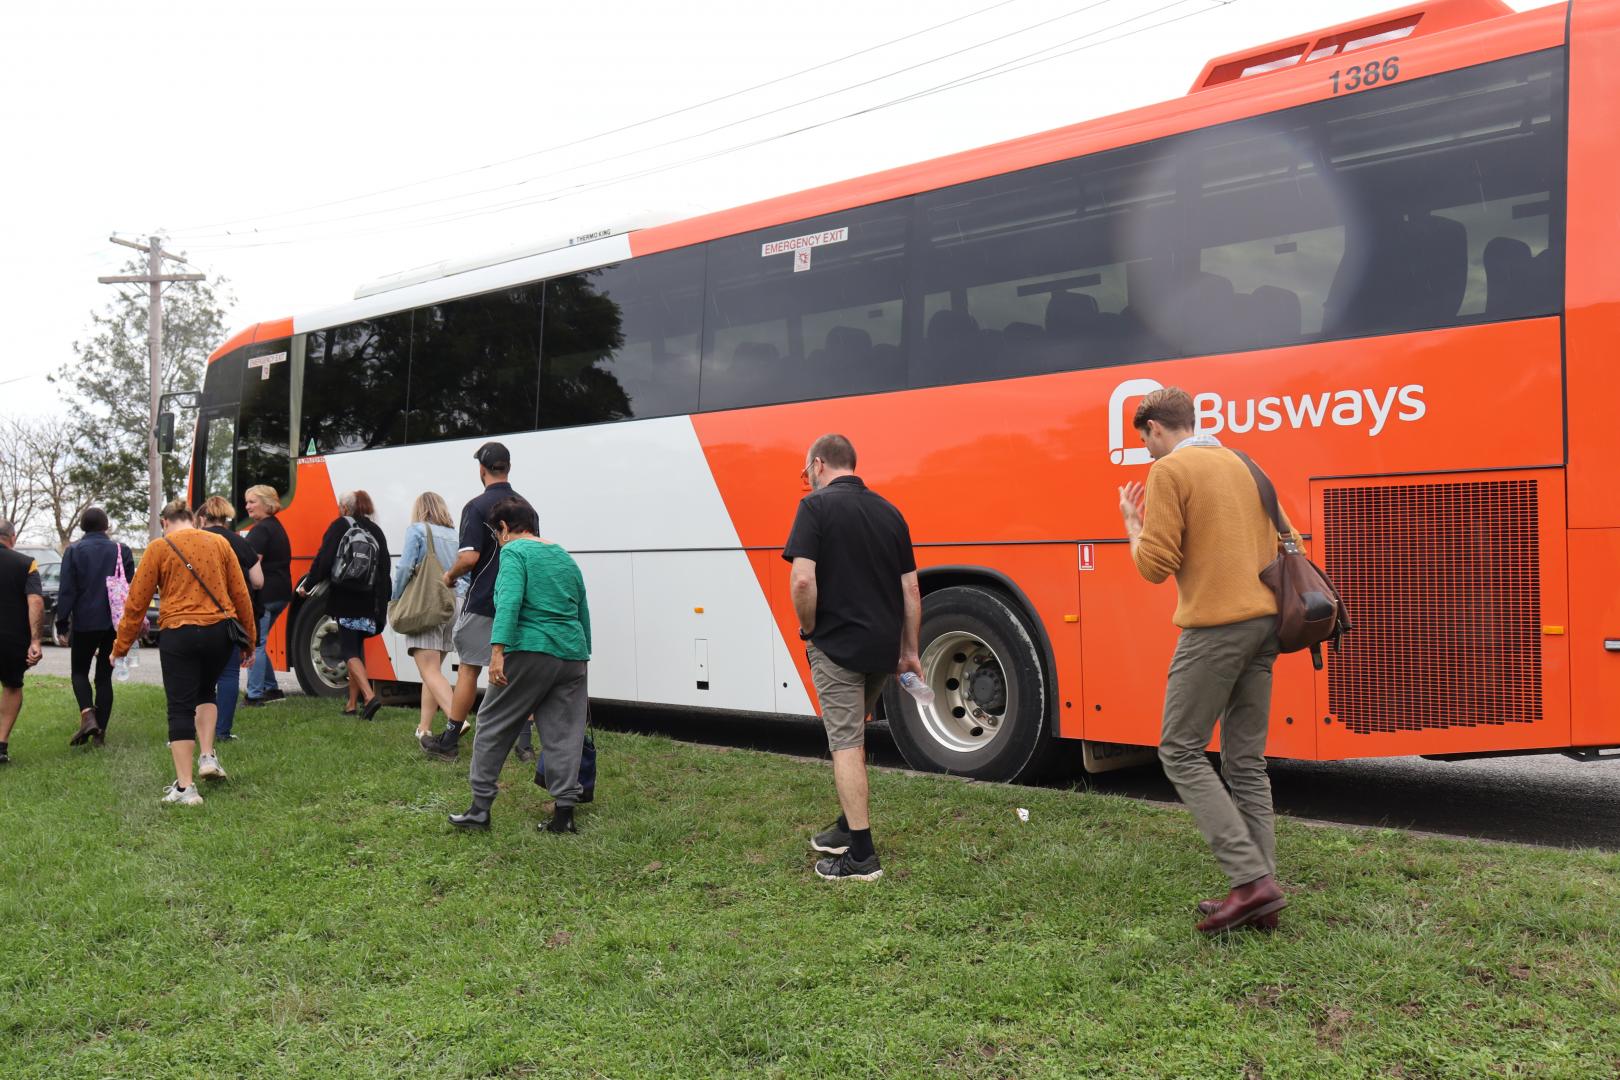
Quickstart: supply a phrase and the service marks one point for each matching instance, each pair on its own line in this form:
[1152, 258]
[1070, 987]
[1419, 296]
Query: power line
[685, 138]
[995, 71]
[604, 134]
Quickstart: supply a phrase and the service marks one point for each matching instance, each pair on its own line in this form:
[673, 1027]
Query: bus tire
[988, 719]
[312, 646]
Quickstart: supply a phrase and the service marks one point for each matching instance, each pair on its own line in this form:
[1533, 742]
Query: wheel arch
[935, 578]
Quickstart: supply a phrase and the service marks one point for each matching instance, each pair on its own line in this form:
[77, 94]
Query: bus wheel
[988, 718]
[316, 656]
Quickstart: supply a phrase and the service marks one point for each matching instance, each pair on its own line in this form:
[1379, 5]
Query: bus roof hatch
[1407, 22]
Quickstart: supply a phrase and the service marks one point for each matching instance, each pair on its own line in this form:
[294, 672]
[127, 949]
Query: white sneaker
[184, 797]
[208, 768]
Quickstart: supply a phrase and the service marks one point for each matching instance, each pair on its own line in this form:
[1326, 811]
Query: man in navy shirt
[22, 620]
[854, 587]
[480, 556]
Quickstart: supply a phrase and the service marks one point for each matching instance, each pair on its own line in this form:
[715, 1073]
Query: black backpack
[354, 569]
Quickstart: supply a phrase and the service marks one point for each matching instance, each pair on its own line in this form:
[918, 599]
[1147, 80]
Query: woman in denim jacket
[430, 518]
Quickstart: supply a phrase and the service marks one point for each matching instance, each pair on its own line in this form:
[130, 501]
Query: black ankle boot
[562, 820]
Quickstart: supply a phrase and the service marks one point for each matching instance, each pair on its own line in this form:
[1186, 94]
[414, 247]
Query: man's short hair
[7, 529]
[837, 451]
[1172, 407]
[176, 511]
[94, 519]
[517, 513]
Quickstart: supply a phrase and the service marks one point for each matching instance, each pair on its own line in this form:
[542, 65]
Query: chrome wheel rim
[970, 692]
[326, 656]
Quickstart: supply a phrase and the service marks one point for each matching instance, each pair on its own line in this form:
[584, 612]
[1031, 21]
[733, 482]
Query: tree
[106, 391]
[19, 501]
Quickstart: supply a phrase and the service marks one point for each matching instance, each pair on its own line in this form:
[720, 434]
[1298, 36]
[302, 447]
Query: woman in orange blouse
[203, 590]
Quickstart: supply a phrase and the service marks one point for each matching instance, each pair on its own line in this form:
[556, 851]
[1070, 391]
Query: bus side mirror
[165, 433]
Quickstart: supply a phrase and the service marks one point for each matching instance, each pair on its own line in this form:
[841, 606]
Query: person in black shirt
[269, 539]
[479, 555]
[85, 618]
[22, 620]
[854, 588]
[216, 516]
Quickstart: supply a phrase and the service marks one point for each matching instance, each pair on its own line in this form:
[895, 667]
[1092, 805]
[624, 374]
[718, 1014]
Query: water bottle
[134, 656]
[911, 684]
[121, 669]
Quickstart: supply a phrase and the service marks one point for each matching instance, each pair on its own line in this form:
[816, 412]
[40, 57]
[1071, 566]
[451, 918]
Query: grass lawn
[318, 918]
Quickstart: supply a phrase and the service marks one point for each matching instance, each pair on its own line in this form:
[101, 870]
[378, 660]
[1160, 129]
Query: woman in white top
[430, 519]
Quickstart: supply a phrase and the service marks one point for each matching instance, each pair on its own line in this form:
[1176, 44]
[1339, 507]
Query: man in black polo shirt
[480, 556]
[854, 584]
[22, 617]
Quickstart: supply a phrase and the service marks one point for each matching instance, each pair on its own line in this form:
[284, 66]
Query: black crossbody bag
[239, 637]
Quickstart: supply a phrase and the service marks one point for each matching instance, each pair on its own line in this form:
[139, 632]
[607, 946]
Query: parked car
[50, 578]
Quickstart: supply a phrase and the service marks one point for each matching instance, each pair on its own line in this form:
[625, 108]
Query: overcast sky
[265, 138]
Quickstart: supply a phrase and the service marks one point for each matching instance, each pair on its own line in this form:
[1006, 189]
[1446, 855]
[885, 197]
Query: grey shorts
[471, 638]
[846, 697]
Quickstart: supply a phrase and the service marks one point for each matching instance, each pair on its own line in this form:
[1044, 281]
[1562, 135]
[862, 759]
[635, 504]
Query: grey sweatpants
[554, 691]
[1224, 673]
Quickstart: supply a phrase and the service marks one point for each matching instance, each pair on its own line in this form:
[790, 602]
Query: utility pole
[154, 279]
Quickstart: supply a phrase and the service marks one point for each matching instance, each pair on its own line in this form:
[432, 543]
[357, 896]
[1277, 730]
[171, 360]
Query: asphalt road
[1543, 799]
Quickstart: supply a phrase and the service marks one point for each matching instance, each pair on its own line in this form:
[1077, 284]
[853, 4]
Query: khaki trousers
[1223, 673]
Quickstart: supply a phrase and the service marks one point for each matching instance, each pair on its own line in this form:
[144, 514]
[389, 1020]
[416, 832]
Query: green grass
[317, 918]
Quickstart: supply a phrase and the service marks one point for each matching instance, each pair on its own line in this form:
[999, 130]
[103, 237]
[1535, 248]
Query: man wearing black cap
[481, 556]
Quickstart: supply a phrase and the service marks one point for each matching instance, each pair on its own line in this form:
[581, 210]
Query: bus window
[810, 309]
[1031, 272]
[622, 341]
[264, 435]
[475, 366]
[354, 388]
[219, 447]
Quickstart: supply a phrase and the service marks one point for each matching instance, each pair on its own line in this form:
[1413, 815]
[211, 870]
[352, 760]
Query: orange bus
[1382, 256]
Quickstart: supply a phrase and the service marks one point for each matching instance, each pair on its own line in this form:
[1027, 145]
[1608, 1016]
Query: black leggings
[94, 645]
[193, 658]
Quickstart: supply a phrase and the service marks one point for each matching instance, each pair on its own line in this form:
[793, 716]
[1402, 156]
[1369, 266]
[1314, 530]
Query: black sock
[860, 844]
[4, 747]
[843, 823]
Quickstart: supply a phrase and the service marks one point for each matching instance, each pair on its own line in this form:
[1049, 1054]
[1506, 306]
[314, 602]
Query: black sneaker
[832, 840]
[845, 868]
[587, 795]
[474, 818]
[5, 758]
[562, 820]
[526, 754]
[252, 703]
[372, 708]
[273, 695]
[444, 745]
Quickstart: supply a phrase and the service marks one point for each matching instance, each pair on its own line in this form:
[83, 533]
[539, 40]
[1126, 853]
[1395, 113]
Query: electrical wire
[684, 138]
[988, 73]
[602, 134]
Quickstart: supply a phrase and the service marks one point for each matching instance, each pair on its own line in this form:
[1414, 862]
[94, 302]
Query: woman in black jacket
[84, 609]
[359, 607]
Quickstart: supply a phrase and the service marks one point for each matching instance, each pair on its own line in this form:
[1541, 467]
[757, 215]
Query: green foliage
[317, 917]
[107, 389]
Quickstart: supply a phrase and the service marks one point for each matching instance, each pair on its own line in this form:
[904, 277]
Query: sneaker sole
[827, 850]
[213, 776]
[440, 755]
[873, 876]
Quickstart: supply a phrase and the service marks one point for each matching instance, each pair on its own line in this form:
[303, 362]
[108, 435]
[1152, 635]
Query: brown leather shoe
[1245, 905]
[1264, 922]
[87, 727]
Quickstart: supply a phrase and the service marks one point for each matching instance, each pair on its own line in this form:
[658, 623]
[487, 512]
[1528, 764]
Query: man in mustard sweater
[1200, 519]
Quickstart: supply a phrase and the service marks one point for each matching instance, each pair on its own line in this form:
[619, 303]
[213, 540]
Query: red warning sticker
[1088, 556]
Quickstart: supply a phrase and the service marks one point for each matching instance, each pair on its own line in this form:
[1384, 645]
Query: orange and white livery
[1381, 256]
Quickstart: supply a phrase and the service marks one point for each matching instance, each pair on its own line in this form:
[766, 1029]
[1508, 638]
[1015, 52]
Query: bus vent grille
[1443, 582]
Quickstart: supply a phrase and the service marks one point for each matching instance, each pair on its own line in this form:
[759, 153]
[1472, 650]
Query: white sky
[269, 107]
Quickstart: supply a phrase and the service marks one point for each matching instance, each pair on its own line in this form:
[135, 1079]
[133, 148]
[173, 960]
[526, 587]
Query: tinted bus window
[1419, 205]
[475, 366]
[1038, 270]
[810, 309]
[354, 385]
[264, 429]
[622, 341]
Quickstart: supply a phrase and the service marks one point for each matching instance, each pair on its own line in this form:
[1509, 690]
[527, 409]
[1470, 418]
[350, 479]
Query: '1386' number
[1364, 75]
